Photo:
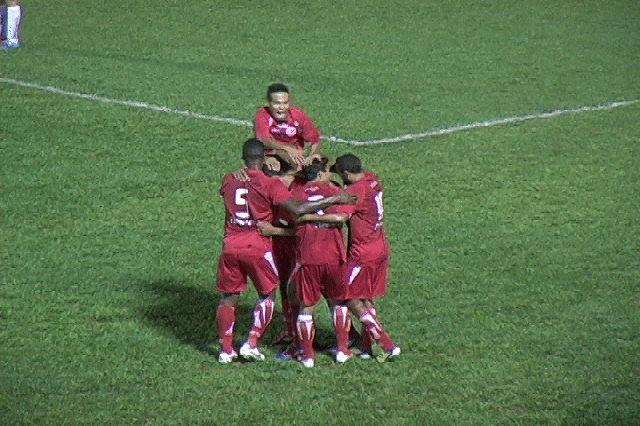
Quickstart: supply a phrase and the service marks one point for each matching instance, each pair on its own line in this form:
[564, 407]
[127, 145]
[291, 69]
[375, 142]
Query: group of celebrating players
[283, 230]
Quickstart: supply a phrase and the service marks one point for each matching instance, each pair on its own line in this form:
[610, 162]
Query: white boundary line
[407, 137]
[487, 123]
[126, 103]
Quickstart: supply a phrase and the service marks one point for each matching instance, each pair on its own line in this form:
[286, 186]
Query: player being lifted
[285, 129]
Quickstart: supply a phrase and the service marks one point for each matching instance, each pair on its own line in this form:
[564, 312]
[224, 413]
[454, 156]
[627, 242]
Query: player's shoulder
[229, 184]
[369, 175]
[272, 183]
[262, 112]
[372, 180]
[227, 178]
[259, 177]
[369, 182]
[297, 113]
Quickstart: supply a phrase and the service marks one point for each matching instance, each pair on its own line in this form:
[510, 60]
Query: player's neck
[355, 177]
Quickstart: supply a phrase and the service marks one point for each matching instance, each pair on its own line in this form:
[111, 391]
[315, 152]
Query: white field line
[125, 103]
[406, 137]
[487, 123]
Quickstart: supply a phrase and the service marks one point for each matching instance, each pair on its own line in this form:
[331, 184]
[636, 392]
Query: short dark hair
[348, 163]
[276, 88]
[310, 171]
[252, 150]
[285, 168]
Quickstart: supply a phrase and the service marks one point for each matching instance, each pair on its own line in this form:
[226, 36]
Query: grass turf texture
[515, 266]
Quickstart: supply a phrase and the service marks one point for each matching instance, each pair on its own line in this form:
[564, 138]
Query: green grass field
[514, 286]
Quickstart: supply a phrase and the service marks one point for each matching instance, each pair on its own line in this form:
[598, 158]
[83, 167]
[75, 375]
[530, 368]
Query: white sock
[13, 22]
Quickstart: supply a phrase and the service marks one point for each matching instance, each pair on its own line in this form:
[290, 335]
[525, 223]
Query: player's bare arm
[287, 152]
[337, 219]
[298, 208]
[314, 152]
[269, 230]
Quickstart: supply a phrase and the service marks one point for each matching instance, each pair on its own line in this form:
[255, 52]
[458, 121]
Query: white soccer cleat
[389, 355]
[225, 357]
[342, 357]
[251, 354]
[9, 44]
[307, 362]
[365, 354]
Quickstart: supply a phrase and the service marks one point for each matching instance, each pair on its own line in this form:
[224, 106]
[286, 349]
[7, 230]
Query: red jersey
[283, 247]
[366, 235]
[246, 203]
[318, 243]
[296, 129]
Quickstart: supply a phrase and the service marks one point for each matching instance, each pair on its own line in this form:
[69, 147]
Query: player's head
[278, 99]
[253, 153]
[347, 166]
[285, 169]
[317, 170]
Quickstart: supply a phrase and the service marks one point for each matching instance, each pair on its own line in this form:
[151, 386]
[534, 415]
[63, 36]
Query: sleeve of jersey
[341, 208]
[261, 124]
[310, 132]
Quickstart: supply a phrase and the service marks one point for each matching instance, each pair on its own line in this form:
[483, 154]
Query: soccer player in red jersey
[284, 257]
[247, 253]
[368, 253]
[284, 129]
[320, 256]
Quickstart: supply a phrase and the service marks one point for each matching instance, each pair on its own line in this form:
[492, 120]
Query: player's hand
[344, 197]
[264, 228]
[272, 164]
[294, 155]
[241, 175]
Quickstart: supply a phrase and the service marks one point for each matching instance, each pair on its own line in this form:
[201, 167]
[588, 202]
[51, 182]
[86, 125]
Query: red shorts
[234, 268]
[313, 281]
[366, 280]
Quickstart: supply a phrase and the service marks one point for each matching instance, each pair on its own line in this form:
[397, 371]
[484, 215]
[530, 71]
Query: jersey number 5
[241, 215]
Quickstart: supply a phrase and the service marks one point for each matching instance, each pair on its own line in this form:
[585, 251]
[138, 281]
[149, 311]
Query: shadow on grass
[189, 313]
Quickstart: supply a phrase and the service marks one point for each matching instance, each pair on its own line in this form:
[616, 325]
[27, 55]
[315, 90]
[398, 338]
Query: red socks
[262, 315]
[374, 329]
[342, 324]
[306, 332]
[225, 319]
